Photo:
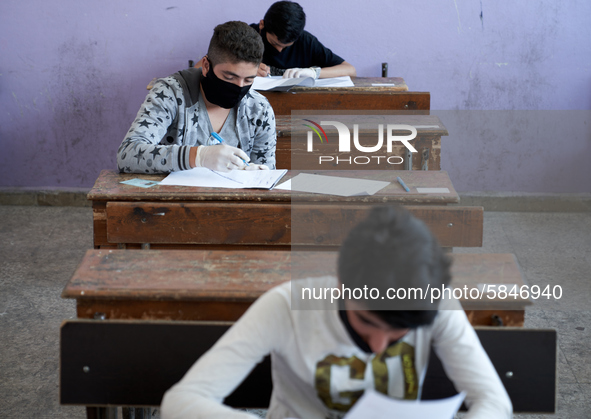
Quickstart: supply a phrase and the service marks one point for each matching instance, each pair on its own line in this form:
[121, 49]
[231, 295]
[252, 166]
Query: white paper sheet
[343, 81]
[200, 176]
[432, 190]
[375, 405]
[286, 186]
[333, 185]
[278, 83]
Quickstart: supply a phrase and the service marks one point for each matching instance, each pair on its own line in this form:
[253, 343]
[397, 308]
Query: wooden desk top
[363, 96]
[426, 125]
[491, 269]
[188, 275]
[366, 84]
[108, 188]
[208, 275]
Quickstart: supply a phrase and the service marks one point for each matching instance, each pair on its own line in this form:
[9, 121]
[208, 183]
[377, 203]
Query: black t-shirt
[306, 51]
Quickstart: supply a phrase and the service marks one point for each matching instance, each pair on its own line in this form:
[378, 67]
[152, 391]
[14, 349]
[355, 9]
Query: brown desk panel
[363, 96]
[284, 103]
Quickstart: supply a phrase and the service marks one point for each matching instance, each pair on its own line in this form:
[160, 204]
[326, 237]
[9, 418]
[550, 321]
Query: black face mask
[220, 92]
[270, 50]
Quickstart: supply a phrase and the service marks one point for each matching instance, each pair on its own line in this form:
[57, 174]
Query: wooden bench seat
[220, 285]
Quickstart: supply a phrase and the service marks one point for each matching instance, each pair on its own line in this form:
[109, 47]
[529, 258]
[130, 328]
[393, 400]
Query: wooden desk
[210, 218]
[367, 84]
[292, 154]
[363, 96]
[221, 285]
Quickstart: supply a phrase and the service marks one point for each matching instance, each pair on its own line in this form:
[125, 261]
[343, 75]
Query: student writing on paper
[324, 358]
[172, 130]
[293, 52]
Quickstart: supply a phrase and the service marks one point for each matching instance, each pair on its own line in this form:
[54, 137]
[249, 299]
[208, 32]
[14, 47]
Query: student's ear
[205, 66]
[261, 25]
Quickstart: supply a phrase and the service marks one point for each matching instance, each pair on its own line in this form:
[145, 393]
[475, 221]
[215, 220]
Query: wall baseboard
[527, 202]
[55, 197]
[491, 201]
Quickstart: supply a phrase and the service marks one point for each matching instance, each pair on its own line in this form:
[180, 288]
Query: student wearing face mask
[293, 52]
[172, 130]
[325, 354]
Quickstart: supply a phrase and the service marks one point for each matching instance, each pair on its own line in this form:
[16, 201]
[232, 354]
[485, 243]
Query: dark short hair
[285, 20]
[235, 42]
[393, 249]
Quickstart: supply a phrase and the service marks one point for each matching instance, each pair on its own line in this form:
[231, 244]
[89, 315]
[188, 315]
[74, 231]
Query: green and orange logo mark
[316, 130]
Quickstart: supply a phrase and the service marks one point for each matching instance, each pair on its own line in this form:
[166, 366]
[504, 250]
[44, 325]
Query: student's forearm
[219, 371]
[181, 405]
[468, 366]
[342, 69]
[140, 156]
[141, 150]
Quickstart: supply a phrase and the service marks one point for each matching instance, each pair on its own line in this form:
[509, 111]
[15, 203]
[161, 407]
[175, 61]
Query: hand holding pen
[246, 165]
[264, 70]
[221, 157]
[220, 140]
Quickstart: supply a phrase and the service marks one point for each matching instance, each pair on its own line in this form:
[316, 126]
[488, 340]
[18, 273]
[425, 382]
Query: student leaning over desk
[172, 129]
[325, 356]
[291, 51]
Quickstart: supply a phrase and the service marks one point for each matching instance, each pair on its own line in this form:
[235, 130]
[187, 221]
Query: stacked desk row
[230, 237]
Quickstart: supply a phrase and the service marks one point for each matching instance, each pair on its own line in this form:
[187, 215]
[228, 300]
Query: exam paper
[286, 186]
[375, 405]
[278, 83]
[240, 179]
[343, 81]
[333, 185]
[432, 190]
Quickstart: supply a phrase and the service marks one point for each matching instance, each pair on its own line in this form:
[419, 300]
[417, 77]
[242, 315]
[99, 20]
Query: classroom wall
[73, 74]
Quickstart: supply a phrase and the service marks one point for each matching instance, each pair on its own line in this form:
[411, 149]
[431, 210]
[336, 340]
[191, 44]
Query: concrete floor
[40, 248]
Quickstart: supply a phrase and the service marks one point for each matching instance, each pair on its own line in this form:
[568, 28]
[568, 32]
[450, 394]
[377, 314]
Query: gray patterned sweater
[166, 127]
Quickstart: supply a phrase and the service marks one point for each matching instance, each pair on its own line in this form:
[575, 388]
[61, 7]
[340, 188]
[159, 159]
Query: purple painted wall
[73, 74]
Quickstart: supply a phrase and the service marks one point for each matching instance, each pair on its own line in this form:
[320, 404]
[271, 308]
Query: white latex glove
[220, 157]
[299, 72]
[252, 166]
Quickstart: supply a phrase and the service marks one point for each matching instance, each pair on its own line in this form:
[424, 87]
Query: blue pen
[403, 184]
[220, 140]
